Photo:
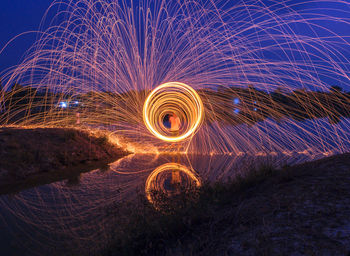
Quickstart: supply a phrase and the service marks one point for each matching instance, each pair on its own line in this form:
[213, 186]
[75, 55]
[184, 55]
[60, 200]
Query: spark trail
[244, 59]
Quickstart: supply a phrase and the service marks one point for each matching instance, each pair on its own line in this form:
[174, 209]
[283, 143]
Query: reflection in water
[170, 179]
[74, 218]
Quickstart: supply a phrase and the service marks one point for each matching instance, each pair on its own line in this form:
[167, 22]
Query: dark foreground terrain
[42, 155]
[298, 210]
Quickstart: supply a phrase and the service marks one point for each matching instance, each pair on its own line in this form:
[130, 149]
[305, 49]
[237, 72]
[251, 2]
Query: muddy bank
[26, 154]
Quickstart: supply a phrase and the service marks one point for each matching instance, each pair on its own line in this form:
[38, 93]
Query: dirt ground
[28, 152]
[303, 210]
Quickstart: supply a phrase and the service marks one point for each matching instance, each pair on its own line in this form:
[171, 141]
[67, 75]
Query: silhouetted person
[175, 124]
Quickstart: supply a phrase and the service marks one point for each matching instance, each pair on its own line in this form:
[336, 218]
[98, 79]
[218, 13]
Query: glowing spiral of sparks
[156, 180]
[168, 99]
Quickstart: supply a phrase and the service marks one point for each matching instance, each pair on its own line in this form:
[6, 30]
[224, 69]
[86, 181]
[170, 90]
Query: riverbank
[297, 210]
[44, 154]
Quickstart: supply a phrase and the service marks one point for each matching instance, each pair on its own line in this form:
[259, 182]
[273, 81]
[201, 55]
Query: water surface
[72, 216]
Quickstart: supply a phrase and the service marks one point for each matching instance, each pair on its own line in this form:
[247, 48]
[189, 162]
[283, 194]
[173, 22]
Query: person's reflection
[170, 179]
[175, 178]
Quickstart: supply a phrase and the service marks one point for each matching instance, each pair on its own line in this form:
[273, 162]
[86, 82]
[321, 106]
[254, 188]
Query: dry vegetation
[298, 210]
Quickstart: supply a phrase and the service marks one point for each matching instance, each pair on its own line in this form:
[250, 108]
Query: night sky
[18, 16]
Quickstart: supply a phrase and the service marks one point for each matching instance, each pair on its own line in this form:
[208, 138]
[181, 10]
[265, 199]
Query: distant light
[236, 110]
[236, 101]
[63, 104]
[255, 109]
[76, 102]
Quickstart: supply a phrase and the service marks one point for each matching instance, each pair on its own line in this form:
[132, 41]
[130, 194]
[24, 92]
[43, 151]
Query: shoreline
[44, 155]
